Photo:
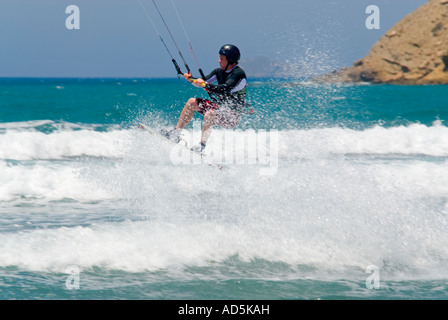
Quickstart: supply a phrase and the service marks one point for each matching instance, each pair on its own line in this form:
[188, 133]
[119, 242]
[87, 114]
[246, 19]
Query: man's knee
[192, 102]
[210, 114]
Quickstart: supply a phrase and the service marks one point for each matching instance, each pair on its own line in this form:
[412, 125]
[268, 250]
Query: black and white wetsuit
[231, 88]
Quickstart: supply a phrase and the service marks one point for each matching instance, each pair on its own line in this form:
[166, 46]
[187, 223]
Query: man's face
[223, 62]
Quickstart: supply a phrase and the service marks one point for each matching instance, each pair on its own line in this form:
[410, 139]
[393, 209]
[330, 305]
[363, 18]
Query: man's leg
[187, 113]
[207, 125]
[185, 117]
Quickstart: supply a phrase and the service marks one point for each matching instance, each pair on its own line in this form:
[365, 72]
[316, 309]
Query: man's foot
[198, 148]
[171, 134]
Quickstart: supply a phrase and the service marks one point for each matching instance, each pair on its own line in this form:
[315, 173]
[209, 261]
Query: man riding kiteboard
[228, 98]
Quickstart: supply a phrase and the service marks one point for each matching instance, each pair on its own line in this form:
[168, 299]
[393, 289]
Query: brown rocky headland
[414, 51]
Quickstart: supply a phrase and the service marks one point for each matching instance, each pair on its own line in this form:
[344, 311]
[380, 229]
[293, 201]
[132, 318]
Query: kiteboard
[181, 144]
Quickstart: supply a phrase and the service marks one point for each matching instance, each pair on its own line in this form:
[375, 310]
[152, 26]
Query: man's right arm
[212, 76]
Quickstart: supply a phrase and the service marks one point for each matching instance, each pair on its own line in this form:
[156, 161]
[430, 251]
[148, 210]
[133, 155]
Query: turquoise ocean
[345, 197]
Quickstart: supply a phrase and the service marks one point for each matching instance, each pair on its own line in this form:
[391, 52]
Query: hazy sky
[116, 39]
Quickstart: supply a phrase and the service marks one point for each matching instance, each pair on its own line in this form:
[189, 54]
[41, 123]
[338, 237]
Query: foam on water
[31, 144]
[19, 143]
[47, 182]
[339, 199]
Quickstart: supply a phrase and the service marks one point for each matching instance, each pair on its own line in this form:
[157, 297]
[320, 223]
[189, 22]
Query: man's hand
[200, 82]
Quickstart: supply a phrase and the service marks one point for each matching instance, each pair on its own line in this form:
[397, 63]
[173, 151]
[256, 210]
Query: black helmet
[231, 52]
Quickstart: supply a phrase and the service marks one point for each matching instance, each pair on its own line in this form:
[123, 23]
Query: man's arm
[231, 82]
[199, 82]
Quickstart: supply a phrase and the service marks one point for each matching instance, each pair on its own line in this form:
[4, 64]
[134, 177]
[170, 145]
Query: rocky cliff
[414, 51]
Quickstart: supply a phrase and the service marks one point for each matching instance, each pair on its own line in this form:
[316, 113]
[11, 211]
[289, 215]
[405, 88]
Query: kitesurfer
[227, 106]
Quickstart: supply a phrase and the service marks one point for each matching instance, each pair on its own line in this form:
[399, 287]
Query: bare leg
[207, 125]
[187, 114]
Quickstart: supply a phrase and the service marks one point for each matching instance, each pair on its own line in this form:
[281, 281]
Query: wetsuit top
[231, 88]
